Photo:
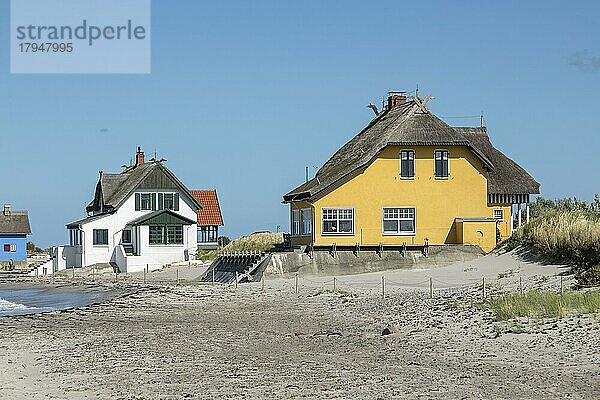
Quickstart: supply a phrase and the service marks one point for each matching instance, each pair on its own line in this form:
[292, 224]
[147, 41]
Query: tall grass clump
[257, 242]
[541, 304]
[565, 232]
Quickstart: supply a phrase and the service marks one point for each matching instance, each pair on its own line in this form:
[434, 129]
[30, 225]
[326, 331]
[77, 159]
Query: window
[7, 248]
[145, 201]
[208, 234]
[295, 222]
[126, 238]
[499, 215]
[174, 234]
[407, 164]
[160, 235]
[156, 235]
[399, 221]
[306, 215]
[338, 220]
[441, 164]
[169, 202]
[100, 237]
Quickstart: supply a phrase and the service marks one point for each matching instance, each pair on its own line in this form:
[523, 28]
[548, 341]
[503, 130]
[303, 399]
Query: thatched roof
[114, 189]
[403, 124]
[15, 223]
[508, 177]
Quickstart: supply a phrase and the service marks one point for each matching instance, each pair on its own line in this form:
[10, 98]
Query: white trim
[501, 219]
[399, 233]
[323, 233]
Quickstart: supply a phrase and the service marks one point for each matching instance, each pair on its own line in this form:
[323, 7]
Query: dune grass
[544, 304]
[257, 242]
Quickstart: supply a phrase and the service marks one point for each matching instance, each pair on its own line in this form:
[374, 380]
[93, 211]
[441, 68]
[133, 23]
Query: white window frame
[409, 151]
[501, 212]
[399, 218]
[13, 248]
[303, 231]
[434, 160]
[337, 218]
[164, 196]
[149, 202]
[295, 222]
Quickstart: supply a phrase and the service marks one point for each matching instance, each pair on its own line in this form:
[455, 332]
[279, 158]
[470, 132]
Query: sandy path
[214, 342]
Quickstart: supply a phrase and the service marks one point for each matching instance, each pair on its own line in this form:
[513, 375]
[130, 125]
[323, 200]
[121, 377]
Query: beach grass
[257, 242]
[544, 304]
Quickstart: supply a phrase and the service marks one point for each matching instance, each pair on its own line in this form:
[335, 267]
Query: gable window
[399, 221]
[295, 222]
[407, 164]
[145, 201]
[338, 221]
[499, 215]
[306, 216]
[100, 237]
[169, 203]
[441, 164]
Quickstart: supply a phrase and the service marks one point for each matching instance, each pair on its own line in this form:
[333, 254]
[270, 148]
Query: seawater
[21, 301]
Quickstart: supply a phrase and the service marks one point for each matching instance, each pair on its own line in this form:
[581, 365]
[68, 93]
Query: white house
[143, 216]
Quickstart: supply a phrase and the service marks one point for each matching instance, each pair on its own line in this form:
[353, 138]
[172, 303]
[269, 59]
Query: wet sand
[204, 342]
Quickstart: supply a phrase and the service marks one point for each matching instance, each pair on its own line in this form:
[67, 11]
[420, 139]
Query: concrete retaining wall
[346, 262]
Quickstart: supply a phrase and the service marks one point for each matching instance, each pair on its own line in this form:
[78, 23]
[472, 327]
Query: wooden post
[334, 283]
[296, 283]
[177, 274]
[236, 279]
[144, 276]
[262, 284]
[561, 285]
[116, 278]
[483, 286]
[430, 287]
[94, 272]
[73, 272]
[383, 287]
[213, 276]
[521, 285]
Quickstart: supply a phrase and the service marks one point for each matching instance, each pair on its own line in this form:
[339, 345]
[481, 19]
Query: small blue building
[14, 228]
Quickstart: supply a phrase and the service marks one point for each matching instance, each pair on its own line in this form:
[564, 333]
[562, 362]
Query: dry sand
[193, 341]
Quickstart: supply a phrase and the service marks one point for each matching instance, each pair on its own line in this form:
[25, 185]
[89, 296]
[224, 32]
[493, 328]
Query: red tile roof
[211, 213]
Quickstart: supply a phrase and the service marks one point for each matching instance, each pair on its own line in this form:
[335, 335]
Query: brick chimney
[395, 98]
[7, 208]
[139, 157]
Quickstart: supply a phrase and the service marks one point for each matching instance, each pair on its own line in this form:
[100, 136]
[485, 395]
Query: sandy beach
[203, 342]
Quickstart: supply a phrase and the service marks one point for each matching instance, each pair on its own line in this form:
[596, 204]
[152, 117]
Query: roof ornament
[374, 108]
[422, 103]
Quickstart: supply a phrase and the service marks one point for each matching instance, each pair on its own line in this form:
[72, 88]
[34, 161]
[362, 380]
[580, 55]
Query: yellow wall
[481, 233]
[503, 225]
[437, 201]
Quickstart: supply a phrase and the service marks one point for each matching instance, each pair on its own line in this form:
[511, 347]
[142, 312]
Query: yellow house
[409, 178]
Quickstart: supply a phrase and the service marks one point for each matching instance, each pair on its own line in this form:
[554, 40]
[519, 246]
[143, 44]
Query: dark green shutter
[176, 202]
[138, 202]
[153, 201]
[161, 202]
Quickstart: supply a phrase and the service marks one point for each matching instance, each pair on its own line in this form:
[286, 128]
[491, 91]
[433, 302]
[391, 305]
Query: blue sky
[243, 95]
